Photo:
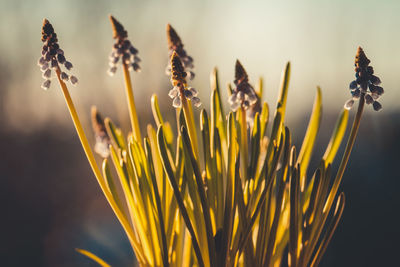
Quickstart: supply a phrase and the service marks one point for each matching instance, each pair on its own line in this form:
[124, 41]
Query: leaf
[337, 137]
[110, 184]
[255, 146]
[161, 229]
[294, 194]
[264, 119]
[93, 257]
[202, 195]
[178, 196]
[260, 88]
[280, 183]
[330, 230]
[156, 110]
[282, 97]
[233, 165]
[115, 135]
[309, 139]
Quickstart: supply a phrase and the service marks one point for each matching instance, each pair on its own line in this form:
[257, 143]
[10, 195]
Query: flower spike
[365, 83]
[243, 94]
[122, 51]
[178, 80]
[53, 57]
[175, 45]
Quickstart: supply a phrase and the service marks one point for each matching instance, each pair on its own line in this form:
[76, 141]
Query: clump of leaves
[228, 193]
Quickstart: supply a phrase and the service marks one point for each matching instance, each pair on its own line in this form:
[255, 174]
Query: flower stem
[89, 154]
[190, 123]
[346, 155]
[131, 105]
[244, 153]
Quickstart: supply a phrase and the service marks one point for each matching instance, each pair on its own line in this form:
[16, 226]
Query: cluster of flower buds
[53, 57]
[178, 80]
[102, 146]
[365, 83]
[122, 50]
[175, 44]
[243, 95]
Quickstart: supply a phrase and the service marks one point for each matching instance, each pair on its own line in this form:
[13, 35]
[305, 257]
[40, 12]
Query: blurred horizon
[319, 38]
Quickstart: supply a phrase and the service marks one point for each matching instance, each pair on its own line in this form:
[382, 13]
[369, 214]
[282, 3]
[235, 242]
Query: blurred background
[50, 201]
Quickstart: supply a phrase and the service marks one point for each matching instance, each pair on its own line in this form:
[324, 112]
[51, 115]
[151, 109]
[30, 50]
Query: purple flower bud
[375, 96]
[54, 63]
[136, 67]
[64, 76]
[375, 80]
[176, 103]
[47, 74]
[174, 92]
[188, 94]
[73, 80]
[356, 94]
[41, 61]
[353, 85]
[349, 104]
[377, 106]
[45, 66]
[196, 102]
[47, 56]
[46, 84]
[190, 75]
[370, 70]
[379, 90]
[68, 65]
[194, 91]
[136, 59]
[133, 50]
[60, 58]
[368, 99]
[111, 71]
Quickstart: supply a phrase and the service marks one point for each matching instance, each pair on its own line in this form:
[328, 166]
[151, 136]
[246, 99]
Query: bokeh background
[49, 199]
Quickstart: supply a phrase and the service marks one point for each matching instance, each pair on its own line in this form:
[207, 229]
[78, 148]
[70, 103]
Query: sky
[319, 38]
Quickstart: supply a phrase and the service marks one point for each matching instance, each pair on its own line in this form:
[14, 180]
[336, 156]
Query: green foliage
[227, 193]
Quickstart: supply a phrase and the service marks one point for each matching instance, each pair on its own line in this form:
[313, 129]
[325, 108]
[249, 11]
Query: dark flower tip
[173, 39]
[243, 94]
[118, 30]
[240, 73]
[48, 33]
[178, 73]
[361, 59]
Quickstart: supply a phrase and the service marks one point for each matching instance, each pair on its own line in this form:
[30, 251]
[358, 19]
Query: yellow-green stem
[190, 123]
[131, 105]
[346, 155]
[244, 153]
[92, 161]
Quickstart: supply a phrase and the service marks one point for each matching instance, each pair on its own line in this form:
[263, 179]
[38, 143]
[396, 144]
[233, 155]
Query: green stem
[346, 155]
[131, 105]
[89, 154]
[244, 149]
[190, 123]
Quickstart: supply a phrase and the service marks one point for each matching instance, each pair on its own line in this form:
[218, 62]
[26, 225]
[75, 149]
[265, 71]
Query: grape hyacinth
[243, 95]
[122, 51]
[102, 146]
[365, 83]
[53, 57]
[175, 44]
[178, 80]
